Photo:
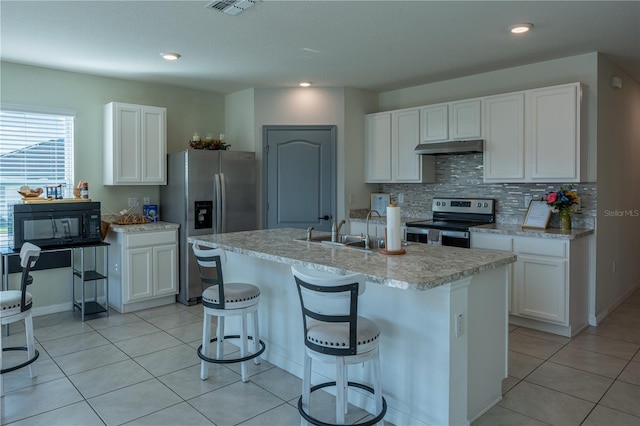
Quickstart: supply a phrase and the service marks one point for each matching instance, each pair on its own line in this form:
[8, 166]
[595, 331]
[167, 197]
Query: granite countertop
[422, 268]
[504, 229]
[143, 227]
[519, 231]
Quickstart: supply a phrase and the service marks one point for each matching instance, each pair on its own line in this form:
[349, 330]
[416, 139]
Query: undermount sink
[348, 241]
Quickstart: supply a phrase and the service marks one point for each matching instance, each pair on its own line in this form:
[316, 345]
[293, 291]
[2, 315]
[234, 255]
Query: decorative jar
[565, 220]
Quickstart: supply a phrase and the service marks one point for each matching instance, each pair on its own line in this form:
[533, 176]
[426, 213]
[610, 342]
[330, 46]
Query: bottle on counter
[84, 190]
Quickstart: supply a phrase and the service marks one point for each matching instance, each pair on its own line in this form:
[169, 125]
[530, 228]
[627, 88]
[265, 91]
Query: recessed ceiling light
[520, 28]
[305, 84]
[171, 56]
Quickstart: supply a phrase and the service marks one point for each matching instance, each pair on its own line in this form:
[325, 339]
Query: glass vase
[565, 220]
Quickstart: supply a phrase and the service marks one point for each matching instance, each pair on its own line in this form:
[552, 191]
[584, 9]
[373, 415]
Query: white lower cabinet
[549, 281]
[498, 243]
[542, 287]
[145, 268]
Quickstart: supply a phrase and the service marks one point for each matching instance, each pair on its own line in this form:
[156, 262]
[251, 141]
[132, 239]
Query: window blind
[36, 149]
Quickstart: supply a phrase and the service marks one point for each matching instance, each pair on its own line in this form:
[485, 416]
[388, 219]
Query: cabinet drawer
[541, 247]
[145, 239]
[491, 242]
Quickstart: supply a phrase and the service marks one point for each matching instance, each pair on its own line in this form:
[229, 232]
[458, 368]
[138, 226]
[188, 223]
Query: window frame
[52, 130]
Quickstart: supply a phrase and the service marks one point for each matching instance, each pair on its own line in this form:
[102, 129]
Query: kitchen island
[442, 313]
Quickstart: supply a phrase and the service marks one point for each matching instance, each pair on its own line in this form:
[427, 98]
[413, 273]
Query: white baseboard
[52, 309]
[613, 306]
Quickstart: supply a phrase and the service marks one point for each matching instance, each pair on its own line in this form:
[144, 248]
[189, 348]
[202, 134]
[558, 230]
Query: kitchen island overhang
[442, 312]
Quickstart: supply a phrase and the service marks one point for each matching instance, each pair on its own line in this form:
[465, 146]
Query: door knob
[325, 217]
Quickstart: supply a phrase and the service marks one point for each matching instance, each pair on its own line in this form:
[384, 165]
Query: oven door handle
[455, 234]
[417, 230]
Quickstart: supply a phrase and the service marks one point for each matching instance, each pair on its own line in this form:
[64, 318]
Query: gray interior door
[299, 170]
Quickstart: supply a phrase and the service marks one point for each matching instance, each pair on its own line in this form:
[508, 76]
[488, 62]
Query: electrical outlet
[527, 200]
[134, 202]
[146, 200]
[352, 199]
[400, 198]
[459, 325]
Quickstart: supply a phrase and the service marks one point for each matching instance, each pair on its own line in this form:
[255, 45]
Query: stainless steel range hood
[450, 147]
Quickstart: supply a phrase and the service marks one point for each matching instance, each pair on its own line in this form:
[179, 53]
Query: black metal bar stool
[222, 299]
[334, 333]
[15, 305]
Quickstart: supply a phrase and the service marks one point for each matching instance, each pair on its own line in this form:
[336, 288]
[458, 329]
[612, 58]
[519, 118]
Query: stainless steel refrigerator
[207, 192]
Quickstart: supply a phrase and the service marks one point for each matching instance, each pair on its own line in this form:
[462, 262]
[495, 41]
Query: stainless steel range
[452, 218]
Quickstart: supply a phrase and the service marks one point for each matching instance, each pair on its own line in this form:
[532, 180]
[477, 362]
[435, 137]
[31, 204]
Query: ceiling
[374, 45]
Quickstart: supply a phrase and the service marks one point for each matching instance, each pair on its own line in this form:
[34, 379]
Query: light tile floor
[591, 380]
[141, 369]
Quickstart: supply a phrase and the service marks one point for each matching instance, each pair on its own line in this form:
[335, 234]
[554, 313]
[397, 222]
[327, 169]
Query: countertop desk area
[442, 313]
[62, 257]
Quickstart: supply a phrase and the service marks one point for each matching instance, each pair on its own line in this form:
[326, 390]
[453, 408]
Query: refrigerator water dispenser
[203, 215]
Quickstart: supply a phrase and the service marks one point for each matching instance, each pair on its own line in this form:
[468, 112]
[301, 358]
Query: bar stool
[15, 305]
[334, 333]
[222, 299]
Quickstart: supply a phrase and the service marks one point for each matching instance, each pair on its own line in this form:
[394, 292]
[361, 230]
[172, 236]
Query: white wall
[187, 111]
[239, 118]
[300, 106]
[248, 110]
[356, 192]
[618, 195]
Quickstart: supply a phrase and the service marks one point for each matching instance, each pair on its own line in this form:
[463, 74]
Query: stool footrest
[24, 364]
[231, 360]
[317, 422]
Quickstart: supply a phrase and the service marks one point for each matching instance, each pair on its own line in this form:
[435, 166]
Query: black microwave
[56, 224]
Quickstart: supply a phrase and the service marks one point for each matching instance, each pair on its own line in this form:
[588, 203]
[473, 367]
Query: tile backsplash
[461, 176]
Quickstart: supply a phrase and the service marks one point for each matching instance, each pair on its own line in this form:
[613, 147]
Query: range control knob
[486, 204]
[479, 204]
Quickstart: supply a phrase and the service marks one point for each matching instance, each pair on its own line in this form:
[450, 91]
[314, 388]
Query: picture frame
[537, 216]
[379, 202]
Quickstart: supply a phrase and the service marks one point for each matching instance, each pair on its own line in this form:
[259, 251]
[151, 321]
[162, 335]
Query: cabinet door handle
[325, 217]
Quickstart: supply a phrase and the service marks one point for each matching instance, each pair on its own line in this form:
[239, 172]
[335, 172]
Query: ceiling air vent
[231, 7]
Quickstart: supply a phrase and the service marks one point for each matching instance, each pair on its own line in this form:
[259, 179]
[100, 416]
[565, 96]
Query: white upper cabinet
[504, 137]
[378, 147]
[458, 120]
[390, 142]
[555, 133]
[434, 123]
[465, 120]
[535, 136]
[135, 144]
[405, 129]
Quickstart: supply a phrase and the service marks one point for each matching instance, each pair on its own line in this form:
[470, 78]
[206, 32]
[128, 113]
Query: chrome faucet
[366, 237]
[309, 229]
[335, 230]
